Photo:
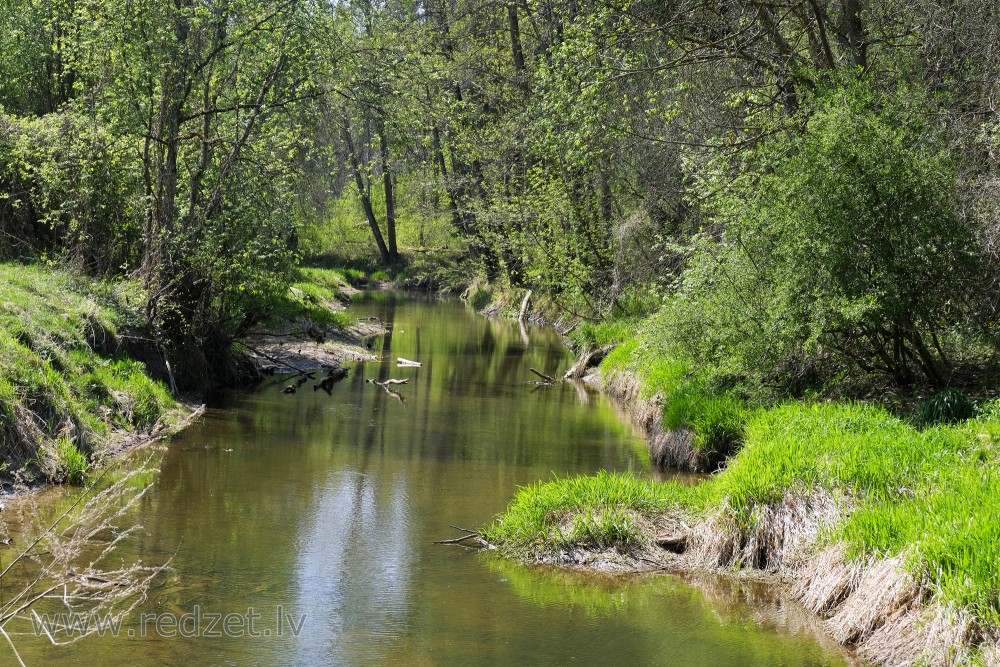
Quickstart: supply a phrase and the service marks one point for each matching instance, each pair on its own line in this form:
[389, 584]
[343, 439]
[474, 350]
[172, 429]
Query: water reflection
[353, 604]
[327, 506]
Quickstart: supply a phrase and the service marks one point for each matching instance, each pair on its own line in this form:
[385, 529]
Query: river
[318, 512]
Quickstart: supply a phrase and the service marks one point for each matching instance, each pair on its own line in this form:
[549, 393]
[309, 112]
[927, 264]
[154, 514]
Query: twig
[464, 530]
[547, 378]
[457, 540]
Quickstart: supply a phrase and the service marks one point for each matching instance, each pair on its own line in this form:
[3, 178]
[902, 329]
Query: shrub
[949, 406]
[844, 239]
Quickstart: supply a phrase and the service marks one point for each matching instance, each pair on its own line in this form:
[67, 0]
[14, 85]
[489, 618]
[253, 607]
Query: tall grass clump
[73, 464]
[603, 510]
[948, 406]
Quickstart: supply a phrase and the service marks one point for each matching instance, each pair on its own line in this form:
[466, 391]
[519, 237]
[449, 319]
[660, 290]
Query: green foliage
[599, 511]
[948, 406]
[67, 189]
[57, 344]
[73, 464]
[316, 297]
[591, 335]
[845, 239]
[926, 494]
[691, 398]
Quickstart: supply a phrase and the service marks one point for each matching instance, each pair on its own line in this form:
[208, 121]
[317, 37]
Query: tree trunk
[366, 202]
[390, 196]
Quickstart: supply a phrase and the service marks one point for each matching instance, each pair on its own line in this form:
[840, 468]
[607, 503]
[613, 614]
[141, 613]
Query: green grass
[927, 488]
[931, 494]
[62, 382]
[592, 335]
[691, 400]
[602, 511]
[315, 296]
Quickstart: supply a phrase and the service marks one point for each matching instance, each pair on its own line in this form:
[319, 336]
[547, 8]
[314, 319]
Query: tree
[846, 237]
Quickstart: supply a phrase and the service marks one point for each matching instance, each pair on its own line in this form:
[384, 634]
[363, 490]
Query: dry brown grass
[72, 566]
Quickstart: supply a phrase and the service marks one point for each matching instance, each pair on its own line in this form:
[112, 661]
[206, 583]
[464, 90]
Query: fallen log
[400, 361]
[588, 360]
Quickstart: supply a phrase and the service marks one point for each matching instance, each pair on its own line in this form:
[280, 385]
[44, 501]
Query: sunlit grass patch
[591, 335]
[690, 401]
[314, 296]
[604, 510]
[930, 495]
[64, 385]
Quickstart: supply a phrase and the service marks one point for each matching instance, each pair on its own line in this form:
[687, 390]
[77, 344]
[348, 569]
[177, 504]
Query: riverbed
[315, 515]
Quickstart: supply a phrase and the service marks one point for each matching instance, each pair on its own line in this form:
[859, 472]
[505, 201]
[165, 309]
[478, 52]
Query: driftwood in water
[547, 378]
[589, 359]
[469, 535]
[333, 376]
[299, 381]
[385, 385]
[400, 361]
[390, 381]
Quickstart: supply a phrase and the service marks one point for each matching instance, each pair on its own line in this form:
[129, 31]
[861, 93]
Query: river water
[318, 512]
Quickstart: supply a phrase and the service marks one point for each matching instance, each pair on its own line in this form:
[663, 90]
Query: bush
[946, 407]
[843, 240]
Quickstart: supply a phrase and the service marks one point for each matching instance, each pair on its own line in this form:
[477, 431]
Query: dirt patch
[297, 350]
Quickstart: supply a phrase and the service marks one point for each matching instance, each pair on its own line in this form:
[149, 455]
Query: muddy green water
[327, 506]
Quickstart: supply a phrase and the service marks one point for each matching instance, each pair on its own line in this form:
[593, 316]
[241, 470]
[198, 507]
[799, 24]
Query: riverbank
[81, 384]
[882, 528]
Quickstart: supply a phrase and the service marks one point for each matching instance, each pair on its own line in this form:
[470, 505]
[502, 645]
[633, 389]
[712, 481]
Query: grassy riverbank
[75, 375]
[67, 388]
[823, 492]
